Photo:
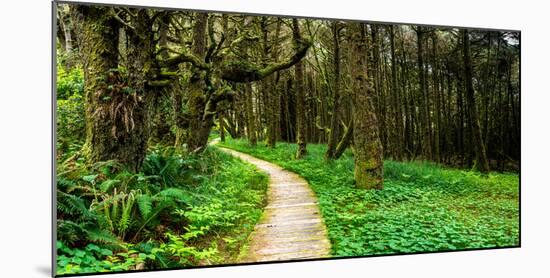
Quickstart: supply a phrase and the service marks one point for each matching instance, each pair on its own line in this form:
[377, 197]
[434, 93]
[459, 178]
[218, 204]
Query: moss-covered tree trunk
[210, 72]
[482, 163]
[300, 99]
[98, 49]
[250, 118]
[116, 105]
[366, 138]
[221, 120]
[200, 121]
[141, 69]
[344, 142]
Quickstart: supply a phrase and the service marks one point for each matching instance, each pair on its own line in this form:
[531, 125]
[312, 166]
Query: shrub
[184, 209]
[94, 258]
[69, 83]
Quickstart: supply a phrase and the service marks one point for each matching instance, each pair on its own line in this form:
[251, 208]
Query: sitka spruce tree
[123, 77]
[116, 102]
[214, 66]
[300, 101]
[171, 77]
[481, 163]
[367, 146]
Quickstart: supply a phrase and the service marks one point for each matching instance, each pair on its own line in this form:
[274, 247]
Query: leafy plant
[69, 83]
[186, 254]
[208, 204]
[423, 207]
[94, 258]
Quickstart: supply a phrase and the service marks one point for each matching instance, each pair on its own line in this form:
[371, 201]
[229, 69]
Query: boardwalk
[291, 227]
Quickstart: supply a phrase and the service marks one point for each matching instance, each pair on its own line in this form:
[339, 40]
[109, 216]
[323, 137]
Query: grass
[422, 208]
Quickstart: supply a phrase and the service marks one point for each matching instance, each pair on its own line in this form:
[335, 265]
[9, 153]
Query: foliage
[70, 111]
[186, 254]
[69, 83]
[183, 209]
[94, 258]
[422, 208]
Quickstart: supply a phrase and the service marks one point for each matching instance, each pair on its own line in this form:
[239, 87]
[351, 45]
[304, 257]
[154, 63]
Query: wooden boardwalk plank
[291, 227]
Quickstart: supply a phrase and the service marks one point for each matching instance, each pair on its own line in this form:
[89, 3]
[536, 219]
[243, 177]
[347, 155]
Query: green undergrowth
[180, 210]
[422, 208]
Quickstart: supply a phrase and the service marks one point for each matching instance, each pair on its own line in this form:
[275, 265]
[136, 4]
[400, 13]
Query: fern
[145, 205]
[114, 207]
[106, 185]
[166, 199]
[72, 205]
[71, 232]
[175, 194]
[104, 236]
[127, 208]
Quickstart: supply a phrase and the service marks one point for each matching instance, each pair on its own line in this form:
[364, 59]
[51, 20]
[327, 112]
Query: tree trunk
[334, 120]
[273, 96]
[116, 113]
[482, 164]
[300, 99]
[200, 120]
[426, 137]
[437, 100]
[221, 121]
[344, 142]
[251, 124]
[66, 36]
[398, 117]
[367, 145]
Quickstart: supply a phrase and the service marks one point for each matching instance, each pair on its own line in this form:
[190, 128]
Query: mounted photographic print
[191, 138]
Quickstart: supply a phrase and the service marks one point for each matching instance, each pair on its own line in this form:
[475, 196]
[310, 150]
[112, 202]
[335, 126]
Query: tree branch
[246, 72]
[159, 83]
[183, 58]
[124, 23]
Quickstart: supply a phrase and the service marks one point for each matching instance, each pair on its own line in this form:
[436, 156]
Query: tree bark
[426, 123]
[117, 119]
[200, 120]
[344, 142]
[273, 96]
[482, 164]
[251, 120]
[334, 120]
[398, 116]
[368, 148]
[437, 100]
[300, 99]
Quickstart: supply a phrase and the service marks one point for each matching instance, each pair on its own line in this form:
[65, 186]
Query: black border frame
[54, 138]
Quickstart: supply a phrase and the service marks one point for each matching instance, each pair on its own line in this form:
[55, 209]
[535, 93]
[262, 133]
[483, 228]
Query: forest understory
[409, 136]
[423, 207]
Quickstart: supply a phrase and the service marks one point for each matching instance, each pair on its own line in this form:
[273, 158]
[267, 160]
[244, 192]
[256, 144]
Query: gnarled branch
[246, 72]
[183, 57]
[122, 21]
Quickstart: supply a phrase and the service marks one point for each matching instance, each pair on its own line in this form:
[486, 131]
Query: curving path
[291, 227]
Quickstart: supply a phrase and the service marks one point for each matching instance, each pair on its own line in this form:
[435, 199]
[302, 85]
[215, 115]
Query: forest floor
[424, 207]
[291, 226]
